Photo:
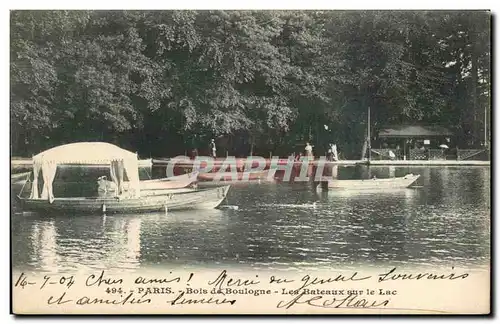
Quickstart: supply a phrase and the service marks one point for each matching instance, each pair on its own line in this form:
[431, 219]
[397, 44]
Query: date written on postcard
[385, 289]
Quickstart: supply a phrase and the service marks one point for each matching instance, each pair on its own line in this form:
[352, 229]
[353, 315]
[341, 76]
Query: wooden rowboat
[235, 183]
[156, 185]
[176, 182]
[374, 183]
[181, 200]
[233, 176]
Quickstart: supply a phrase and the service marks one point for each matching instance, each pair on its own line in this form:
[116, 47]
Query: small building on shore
[413, 142]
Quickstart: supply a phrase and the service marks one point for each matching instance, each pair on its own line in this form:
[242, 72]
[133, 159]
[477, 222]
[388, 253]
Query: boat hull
[184, 200]
[374, 184]
[235, 183]
[168, 183]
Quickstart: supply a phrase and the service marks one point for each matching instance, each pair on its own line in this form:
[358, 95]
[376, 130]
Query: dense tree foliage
[162, 82]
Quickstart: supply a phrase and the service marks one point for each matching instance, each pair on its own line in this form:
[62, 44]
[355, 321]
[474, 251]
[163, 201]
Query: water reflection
[43, 241]
[376, 220]
[444, 220]
[117, 241]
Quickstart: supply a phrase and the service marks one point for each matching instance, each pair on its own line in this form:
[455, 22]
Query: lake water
[444, 220]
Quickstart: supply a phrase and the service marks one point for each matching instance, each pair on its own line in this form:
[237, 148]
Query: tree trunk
[474, 95]
[251, 144]
[14, 140]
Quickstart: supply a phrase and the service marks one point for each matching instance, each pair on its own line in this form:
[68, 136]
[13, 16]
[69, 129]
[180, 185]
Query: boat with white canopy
[128, 194]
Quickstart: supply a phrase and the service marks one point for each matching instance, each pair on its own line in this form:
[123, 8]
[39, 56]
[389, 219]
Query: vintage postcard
[250, 162]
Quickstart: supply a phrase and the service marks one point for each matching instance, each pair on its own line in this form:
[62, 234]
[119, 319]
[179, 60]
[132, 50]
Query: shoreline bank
[21, 164]
[242, 162]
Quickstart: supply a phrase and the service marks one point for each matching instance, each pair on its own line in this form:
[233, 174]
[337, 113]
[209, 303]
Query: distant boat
[19, 178]
[234, 184]
[374, 183]
[233, 176]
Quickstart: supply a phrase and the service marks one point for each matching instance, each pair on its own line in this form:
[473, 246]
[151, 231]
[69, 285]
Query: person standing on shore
[309, 150]
[194, 153]
[332, 152]
[213, 149]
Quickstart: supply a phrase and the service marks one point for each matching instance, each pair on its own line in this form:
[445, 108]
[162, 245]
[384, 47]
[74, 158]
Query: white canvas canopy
[85, 153]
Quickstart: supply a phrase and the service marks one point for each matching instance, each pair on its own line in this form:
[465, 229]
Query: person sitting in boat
[104, 187]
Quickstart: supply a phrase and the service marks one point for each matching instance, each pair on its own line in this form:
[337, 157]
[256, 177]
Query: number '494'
[114, 291]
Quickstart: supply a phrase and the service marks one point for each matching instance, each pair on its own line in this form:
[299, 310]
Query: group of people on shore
[332, 154]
